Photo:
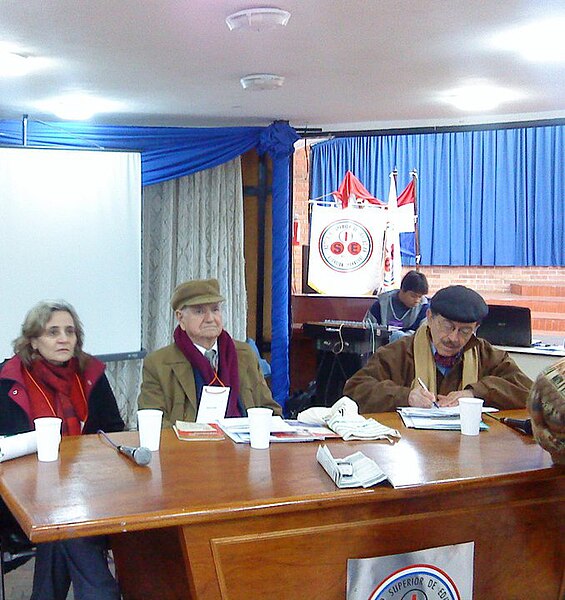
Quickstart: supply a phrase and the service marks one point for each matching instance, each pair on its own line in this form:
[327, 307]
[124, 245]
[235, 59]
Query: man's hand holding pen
[422, 397]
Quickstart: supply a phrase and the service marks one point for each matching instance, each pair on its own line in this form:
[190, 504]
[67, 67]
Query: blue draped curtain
[171, 152]
[485, 197]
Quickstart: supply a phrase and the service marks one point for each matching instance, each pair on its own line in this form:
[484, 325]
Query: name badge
[213, 404]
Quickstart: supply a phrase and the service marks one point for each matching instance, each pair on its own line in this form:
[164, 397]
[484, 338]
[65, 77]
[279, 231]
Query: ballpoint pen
[436, 405]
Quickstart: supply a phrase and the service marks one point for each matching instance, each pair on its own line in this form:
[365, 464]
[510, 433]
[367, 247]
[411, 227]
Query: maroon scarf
[56, 390]
[228, 372]
[447, 362]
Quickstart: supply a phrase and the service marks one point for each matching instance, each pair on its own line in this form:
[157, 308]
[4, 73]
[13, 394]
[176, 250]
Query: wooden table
[219, 520]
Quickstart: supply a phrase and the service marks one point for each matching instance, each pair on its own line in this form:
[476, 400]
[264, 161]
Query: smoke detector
[258, 19]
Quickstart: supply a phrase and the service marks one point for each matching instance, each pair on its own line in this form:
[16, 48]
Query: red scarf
[228, 372]
[57, 391]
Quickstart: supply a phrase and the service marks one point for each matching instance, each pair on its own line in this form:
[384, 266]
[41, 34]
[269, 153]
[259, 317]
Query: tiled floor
[18, 583]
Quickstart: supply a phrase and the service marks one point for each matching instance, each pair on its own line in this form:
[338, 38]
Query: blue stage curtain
[171, 152]
[166, 152]
[485, 197]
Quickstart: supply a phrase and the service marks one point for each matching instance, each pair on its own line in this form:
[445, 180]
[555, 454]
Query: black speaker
[333, 371]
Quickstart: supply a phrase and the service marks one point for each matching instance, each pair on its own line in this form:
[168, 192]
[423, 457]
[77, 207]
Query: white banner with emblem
[444, 573]
[346, 247]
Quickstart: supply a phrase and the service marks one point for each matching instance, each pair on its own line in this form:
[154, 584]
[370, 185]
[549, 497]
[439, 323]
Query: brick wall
[492, 279]
[482, 279]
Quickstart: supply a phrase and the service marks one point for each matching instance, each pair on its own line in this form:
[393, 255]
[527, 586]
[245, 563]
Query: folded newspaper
[344, 418]
[21, 444]
[355, 470]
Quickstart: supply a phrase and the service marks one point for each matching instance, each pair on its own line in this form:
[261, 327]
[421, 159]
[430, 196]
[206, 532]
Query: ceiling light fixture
[540, 41]
[78, 106]
[261, 82]
[478, 97]
[258, 19]
[13, 64]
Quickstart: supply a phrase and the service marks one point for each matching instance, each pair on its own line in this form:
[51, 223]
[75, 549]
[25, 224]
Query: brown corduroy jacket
[384, 383]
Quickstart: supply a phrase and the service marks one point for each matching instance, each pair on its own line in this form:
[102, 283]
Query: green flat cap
[197, 291]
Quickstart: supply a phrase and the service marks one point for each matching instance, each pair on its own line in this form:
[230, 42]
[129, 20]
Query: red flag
[351, 186]
[406, 222]
[408, 196]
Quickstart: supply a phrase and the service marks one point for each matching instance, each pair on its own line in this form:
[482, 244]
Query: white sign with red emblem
[444, 573]
[346, 248]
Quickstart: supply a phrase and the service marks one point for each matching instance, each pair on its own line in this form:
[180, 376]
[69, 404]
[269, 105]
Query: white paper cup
[260, 427]
[48, 431]
[471, 411]
[149, 425]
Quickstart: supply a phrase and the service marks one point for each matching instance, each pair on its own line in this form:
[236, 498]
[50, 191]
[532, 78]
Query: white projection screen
[71, 229]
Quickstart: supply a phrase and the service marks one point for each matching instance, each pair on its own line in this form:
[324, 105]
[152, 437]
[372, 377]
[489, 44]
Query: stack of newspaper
[355, 470]
[447, 418]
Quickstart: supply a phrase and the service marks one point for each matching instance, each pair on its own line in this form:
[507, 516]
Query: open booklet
[355, 470]
[237, 429]
[447, 418]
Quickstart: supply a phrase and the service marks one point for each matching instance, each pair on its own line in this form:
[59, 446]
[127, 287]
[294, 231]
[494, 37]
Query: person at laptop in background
[403, 309]
[442, 362]
[203, 354]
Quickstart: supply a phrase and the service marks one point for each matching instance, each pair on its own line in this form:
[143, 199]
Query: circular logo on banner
[418, 582]
[345, 245]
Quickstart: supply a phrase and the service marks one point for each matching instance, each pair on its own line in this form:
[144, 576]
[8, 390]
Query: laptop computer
[507, 326]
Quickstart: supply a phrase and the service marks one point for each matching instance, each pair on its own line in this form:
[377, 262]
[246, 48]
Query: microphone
[139, 455]
[521, 425]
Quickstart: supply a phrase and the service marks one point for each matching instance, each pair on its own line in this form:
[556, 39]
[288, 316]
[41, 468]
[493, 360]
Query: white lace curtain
[192, 229]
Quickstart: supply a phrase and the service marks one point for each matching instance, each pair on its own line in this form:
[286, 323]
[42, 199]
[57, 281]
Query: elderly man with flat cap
[203, 354]
[441, 363]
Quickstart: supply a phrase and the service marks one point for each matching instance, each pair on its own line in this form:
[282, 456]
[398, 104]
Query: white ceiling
[348, 64]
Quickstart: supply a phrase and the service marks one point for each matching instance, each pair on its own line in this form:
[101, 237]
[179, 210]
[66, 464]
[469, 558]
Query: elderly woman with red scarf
[50, 375]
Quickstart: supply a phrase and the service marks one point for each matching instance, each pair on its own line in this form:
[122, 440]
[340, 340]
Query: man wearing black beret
[441, 363]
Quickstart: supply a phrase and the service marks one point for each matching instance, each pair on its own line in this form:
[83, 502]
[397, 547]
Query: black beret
[459, 303]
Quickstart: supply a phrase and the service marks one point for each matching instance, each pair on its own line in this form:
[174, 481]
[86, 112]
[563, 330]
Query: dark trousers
[82, 561]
